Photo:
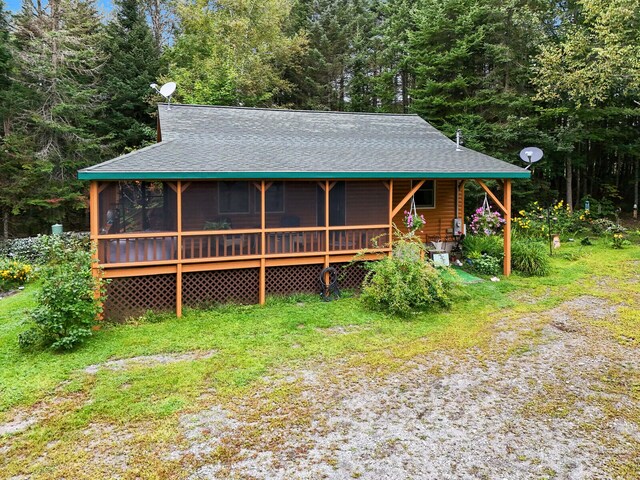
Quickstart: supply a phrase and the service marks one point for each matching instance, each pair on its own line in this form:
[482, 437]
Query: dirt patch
[341, 329]
[148, 361]
[8, 294]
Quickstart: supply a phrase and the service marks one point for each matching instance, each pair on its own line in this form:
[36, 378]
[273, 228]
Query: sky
[14, 5]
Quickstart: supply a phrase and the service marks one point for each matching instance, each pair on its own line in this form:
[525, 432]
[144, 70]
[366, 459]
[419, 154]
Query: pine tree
[58, 62]
[133, 62]
[338, 69]
[5, 87]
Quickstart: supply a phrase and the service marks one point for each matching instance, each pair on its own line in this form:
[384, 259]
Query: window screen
[234, 197]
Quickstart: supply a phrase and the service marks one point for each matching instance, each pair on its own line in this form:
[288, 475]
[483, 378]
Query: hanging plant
[486, 222]
[412, 221]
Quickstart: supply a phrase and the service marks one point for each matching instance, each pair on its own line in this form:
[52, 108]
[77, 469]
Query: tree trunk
[578, 187]
[405, 91]
[5, 223]
[569, 176]
[635, 183]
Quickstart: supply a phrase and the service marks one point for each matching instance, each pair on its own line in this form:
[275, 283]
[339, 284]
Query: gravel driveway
[551, 400]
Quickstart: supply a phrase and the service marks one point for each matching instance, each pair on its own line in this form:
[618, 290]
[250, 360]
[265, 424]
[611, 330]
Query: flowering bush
[412, 221]
[533, 222]
[486, 222]
[618, 241]
[13, 274]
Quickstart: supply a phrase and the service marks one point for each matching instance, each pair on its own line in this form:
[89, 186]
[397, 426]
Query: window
[274, 198]
[425, 197]
[233, 197]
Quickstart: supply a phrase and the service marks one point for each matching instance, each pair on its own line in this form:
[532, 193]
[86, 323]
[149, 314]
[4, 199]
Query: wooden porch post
[93, 215]
[94, 230]
[179, 252]
[263, 223]
[505, 206]
[326, 224]
[507, 227]
[390, 215]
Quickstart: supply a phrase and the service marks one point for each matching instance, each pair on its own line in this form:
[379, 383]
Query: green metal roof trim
[205, 142]
[84, 175]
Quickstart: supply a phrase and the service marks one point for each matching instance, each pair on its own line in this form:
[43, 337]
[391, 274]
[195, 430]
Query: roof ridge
[232, 107]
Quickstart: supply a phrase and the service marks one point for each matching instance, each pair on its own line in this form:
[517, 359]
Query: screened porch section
[189, 222]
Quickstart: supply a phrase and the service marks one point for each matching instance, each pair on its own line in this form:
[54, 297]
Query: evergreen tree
[7, 167]
[588, 75]
[132, 63]
[338, 69]
[58, 62]
[396, 78]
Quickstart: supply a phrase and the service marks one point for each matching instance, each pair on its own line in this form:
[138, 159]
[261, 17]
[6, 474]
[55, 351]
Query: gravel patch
[20, 423]
[148, 361]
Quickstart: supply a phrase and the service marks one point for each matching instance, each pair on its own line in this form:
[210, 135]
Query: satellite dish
[531, 155]
[166, 91]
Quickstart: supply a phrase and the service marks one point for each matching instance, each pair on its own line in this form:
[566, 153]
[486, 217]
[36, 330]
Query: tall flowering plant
[413, 221]
[486, 222]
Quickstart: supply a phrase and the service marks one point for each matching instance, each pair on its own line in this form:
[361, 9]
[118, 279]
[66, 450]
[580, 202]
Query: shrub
[530, 258]
[38, 250]
[67, 308]
[486, 264]
[402, 283]
[533, 222]
[13, 274]
[602, 226]
[476, 245]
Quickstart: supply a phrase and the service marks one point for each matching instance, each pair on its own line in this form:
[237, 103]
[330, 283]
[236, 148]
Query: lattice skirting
[221, 286]
[292, 279]
[132, 296]
[350, 275]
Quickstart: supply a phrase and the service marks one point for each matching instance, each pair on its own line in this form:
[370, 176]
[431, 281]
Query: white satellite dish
[166, 91]
[531, 155]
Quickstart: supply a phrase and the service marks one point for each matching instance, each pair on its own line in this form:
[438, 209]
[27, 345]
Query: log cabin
[234, 203]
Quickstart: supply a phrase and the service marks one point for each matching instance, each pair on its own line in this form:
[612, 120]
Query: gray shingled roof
[231, 142]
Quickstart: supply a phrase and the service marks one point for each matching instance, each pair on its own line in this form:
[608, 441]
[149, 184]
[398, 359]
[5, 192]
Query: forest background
[560, 75]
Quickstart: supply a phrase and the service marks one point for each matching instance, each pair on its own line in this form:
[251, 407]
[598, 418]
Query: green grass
[252, 342]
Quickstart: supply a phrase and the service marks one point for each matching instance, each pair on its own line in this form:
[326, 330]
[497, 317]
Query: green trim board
[89, 175]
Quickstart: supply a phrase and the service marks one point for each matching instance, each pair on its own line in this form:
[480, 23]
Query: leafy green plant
[476, 245]
[486, 264]
[530, 258]
[403, 283]
[604, 226]
[13, 274]
[67, 306]
[618, 241]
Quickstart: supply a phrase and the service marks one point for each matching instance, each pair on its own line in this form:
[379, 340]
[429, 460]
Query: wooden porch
[178, 228]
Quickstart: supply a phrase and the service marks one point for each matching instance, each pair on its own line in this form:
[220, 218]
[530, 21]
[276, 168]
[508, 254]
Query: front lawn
[230, 350]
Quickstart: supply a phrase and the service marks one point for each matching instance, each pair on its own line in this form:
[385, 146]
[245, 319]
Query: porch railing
[211, 245]
[220, 244]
